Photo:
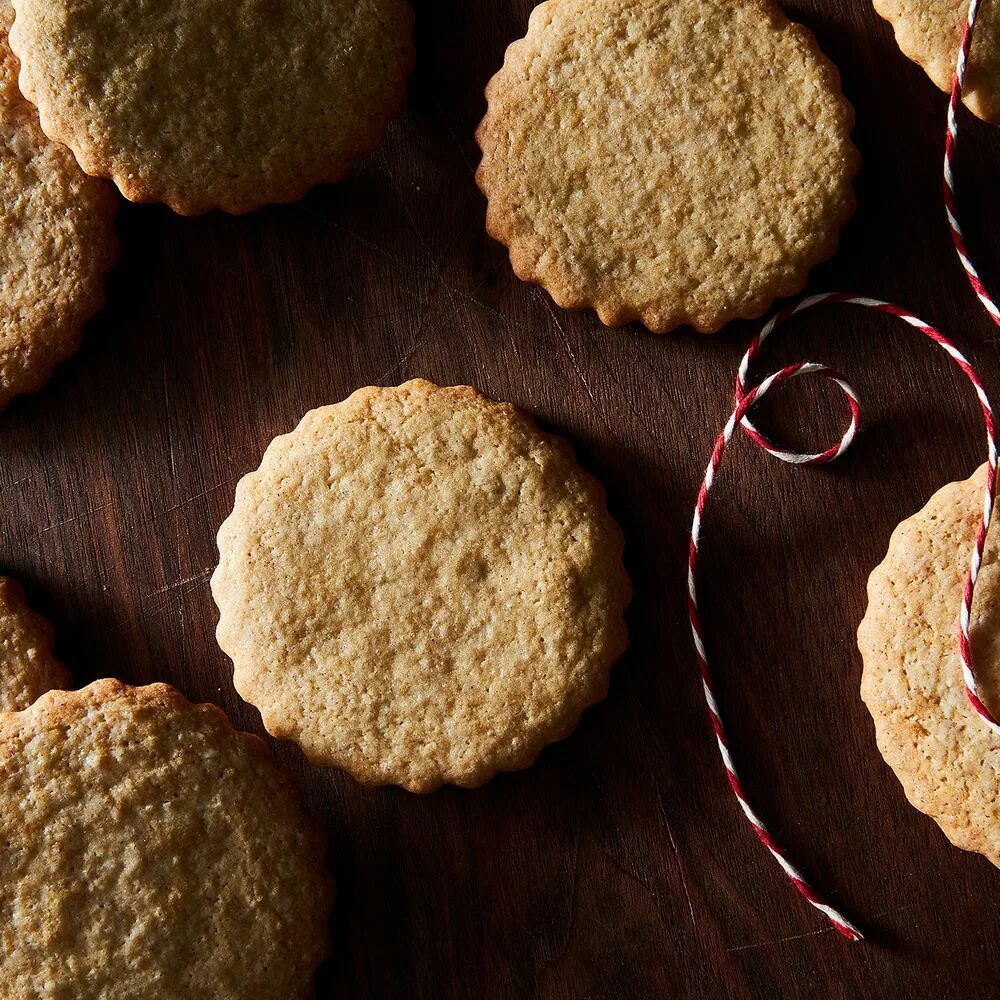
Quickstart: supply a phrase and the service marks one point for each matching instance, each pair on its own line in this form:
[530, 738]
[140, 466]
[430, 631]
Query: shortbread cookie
[669, 161]
[205, 104]
[28, 665]
[419, 586]
[57, 241]
[944, 755]
[149, 850]
[930, 33]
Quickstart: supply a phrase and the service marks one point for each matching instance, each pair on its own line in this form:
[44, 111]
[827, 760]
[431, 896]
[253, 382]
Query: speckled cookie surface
[207, 104]
[57, 241]
[149, 850]
[930, 33]
[944, 755]
[669, 161]
[419, 586]
[28, 665]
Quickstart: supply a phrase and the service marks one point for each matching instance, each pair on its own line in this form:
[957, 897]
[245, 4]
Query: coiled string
[747, 396]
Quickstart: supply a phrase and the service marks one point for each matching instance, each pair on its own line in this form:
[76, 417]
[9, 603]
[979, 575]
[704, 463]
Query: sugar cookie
[149, 850]
[57, 241]
[28, 665]
[944, 754]
[205, 104]
[669, 161]
[419, 586]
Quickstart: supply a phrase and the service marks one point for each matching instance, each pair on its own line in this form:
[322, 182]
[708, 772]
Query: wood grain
[618, 866]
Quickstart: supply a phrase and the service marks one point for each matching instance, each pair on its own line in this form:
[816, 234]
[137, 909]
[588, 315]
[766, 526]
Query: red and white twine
[950, 145]
[748, 396]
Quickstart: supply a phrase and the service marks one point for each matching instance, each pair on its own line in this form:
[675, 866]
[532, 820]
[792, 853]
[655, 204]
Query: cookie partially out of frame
[205, 104]
[669, 161]
[930, 33]
[149, 850]
[57, 241]
[421, 587]
[28, 665]
[944, 754]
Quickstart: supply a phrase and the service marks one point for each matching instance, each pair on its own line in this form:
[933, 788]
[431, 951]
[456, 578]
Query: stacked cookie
[200, 106]
[58, 241]
[179, 103]
[146, 848]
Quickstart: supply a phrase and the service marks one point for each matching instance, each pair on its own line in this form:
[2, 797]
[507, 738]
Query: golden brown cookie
[944, 755]
[149, 850]
[205, 104]
[28, 665]
[669, 161]
[419, 586]
[57, 241]
[930, 33]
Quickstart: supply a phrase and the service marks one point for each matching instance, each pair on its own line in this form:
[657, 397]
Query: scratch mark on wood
[782, 940]
[677, 858]
[18, 482]
[197, 496]
[204, 574]
[76, 517]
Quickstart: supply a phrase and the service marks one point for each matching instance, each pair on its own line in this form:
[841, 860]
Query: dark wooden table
[618, 866]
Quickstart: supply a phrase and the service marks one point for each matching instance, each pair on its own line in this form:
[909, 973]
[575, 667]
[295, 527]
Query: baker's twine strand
[746, 398]
[993, 311]
[950, 146]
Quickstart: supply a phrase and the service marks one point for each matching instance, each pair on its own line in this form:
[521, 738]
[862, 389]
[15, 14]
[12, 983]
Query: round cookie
[57, 241]
[669, 161]
[205, 104]
[944, 755]
[28, 665]
[149, 850]
[419, 586]
[930, 33]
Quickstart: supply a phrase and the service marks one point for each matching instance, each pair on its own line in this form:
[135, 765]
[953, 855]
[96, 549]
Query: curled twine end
[747, 398]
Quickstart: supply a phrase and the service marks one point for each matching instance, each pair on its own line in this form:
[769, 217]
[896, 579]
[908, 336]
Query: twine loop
[744, 391]
[747, 396]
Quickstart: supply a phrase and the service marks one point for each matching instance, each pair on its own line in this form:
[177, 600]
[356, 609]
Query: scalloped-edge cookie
[669, 161]
[28, 665]
[420, 587]
[930, 33]
[57, 241]
[147, 849]
[943, 753]
[204, 104]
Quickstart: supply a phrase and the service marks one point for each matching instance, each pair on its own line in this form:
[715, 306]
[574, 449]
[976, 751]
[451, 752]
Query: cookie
[943, 753]
[28, 665]
[149, 850]
[204, 104]
[930, 33]
[420, 587]
[57, 241]
[670, 161]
